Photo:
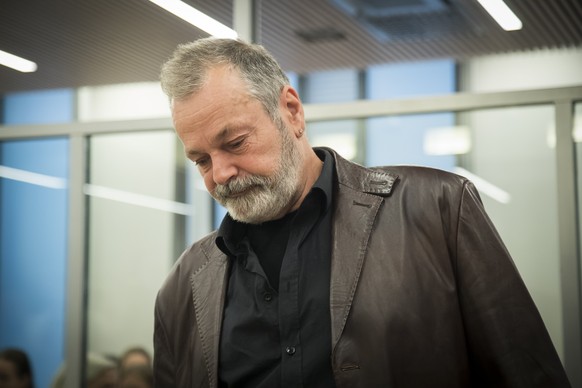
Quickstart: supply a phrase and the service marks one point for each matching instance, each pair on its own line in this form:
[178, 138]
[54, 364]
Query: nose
[223, 170]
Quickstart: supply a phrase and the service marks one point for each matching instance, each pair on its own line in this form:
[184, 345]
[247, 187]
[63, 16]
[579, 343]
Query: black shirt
[276, 330]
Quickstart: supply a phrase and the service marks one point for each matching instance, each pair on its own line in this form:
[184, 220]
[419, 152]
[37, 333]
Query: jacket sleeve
[164, 375]
[507, 341]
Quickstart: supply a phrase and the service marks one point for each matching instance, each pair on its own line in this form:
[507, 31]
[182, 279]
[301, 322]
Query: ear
[292, 110]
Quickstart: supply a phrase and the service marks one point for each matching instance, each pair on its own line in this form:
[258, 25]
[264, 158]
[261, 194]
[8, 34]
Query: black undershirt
[276, 329]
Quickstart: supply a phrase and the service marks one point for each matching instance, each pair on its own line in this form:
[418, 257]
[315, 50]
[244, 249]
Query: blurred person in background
[135, 356]
[100, 372]
[136, 376]
[15, 369]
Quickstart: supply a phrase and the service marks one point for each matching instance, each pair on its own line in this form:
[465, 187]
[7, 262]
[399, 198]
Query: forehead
[222, 101]
[224, 79]
[222, 84]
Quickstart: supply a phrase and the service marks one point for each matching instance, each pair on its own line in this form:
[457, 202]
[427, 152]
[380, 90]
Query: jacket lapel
[353, 220]
[356, 203]
[208, 293]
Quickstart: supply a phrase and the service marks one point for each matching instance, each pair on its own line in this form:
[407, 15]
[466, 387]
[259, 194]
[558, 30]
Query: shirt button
[268, 297]
[290, 350]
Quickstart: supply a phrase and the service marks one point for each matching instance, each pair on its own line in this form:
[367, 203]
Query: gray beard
[265, 198]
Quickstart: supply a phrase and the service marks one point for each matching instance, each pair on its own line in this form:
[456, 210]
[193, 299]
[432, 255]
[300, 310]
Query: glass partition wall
[140, 218]
[136, 229]
[134, 202]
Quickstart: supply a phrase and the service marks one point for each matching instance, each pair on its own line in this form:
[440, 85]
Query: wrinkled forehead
[222, 78]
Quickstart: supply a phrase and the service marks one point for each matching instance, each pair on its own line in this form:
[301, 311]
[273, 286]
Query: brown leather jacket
[423, 293]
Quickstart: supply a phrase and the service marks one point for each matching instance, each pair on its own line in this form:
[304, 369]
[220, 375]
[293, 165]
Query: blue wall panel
[33, 255]
[40, 107]
[33, 235]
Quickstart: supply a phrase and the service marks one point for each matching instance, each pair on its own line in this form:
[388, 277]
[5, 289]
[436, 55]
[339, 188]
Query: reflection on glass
[577, 134]
[510, 150]
[341, 135]
[404, 140]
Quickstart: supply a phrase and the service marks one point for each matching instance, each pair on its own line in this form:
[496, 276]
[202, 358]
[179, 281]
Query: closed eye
[201, 162]
[237, 143]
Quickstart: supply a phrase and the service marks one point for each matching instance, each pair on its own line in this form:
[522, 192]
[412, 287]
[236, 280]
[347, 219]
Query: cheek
[208, 181]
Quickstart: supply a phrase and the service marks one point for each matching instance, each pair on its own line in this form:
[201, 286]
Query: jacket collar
[360, 193]
[363, 179]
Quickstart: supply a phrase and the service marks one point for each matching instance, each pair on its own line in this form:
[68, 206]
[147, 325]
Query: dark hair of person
[143, 372]
[138, 350]
[20, 360]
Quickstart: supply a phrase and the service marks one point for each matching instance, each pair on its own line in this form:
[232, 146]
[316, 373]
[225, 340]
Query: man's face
[249, 164]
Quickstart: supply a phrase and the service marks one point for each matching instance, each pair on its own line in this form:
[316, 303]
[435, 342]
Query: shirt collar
[325, 180]
[231, 232]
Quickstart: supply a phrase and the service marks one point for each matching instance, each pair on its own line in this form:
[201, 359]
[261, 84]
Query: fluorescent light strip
[196, 18]
[53, 182]
[33, 178]
[17, 63]
[485, 187]
[502, 14]
[138, 199]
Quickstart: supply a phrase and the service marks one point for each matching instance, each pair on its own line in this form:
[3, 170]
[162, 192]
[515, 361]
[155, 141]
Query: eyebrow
[220, 136]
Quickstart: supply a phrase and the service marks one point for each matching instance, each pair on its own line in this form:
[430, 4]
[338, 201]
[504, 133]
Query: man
[325, 273]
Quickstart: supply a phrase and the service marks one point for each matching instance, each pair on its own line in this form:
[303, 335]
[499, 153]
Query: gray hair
[185, 72]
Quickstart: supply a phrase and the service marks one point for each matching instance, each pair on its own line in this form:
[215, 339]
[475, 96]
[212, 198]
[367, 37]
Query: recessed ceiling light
[196, 18]
[502, 14]
[17, 63]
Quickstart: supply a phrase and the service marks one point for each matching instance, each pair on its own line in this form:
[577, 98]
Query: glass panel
[33, 257]
[407, 140]
[512, 150]
[144, 208]
[39, 107]
[341, 135]
[331, 86]
[577, 135]
[403, 80]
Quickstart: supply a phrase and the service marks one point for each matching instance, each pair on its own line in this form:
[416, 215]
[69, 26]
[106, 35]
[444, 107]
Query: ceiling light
[502, 14]
[17, 63]
[196, 18]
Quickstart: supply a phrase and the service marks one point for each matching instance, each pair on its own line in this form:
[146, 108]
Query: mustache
[240, 185]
